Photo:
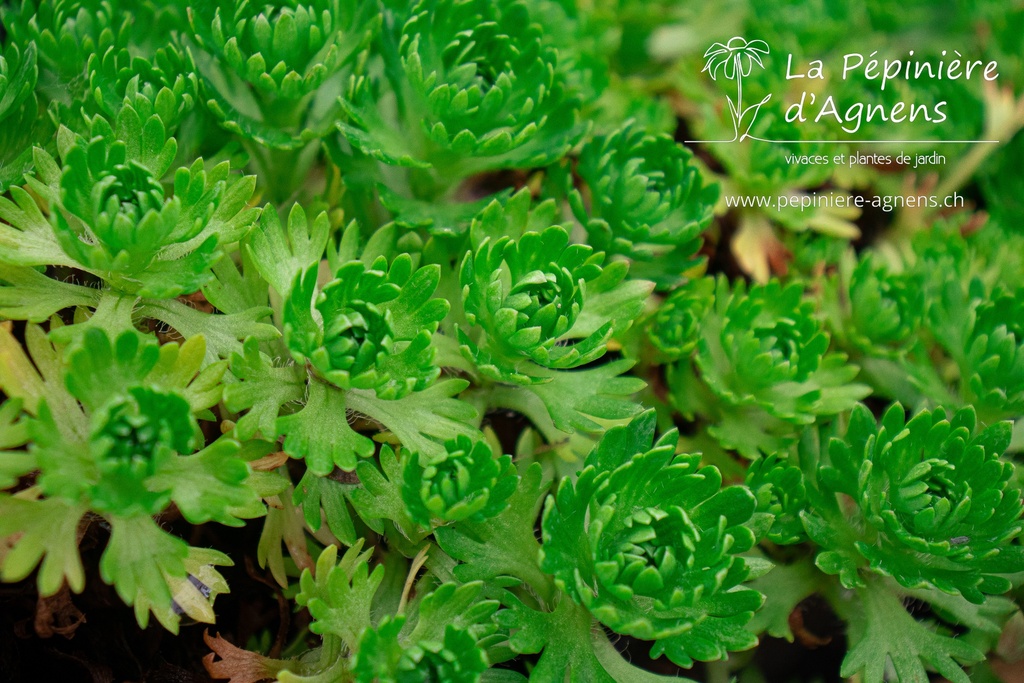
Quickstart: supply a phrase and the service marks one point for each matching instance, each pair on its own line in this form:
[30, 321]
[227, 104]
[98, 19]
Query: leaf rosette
[645, 200]
[383, 658]
[20, 122]
[676, 327]
[993, 358]
[765, 358]
[440, 635]
[536, 302]
[140, 433]
[164, 86]
[107, 212]
[465, 483]
[115, 435]
[273, 71]
[876, 311]
[781, 497]
[652, 545]
[933, 505]
[527, 295]
[374, 326]
[66, 33]
[477, 89]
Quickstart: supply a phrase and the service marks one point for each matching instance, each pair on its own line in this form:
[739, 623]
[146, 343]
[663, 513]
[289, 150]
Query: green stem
[410, 579]
[525, 402]
[624, 672]
[717, 672]
[285, 169]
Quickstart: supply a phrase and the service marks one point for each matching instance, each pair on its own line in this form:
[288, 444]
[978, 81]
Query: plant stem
[414, 568]
[717, 672]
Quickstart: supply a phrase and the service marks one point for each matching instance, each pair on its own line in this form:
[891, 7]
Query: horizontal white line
[854, 142]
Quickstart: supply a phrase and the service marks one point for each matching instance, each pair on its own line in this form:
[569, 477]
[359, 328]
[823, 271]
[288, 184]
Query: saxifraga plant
[421, 316]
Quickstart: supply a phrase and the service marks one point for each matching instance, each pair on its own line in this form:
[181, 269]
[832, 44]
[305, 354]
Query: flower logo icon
[735, 57]
[735, 60]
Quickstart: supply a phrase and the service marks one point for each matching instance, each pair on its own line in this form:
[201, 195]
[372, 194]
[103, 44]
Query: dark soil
[94, 638]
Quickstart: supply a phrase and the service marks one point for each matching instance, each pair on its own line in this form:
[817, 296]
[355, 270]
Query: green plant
[428, 328]
[761, 367]
[920, 508]
[115, 434]
[645, 201]
[474, 86]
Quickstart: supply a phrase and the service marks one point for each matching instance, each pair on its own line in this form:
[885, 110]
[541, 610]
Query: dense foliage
[433, 296]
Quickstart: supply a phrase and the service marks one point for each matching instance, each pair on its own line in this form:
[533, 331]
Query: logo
[737, 58]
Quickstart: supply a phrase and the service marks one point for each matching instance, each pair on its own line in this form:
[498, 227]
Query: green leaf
[14, 464]
[179, 369]
[263, 391]
[209, 485]
[435, 217]
[280, 254]
[18, 377]
[228, 195]
[320, 432]
[39, 382]
[573, 400]
[339, 598]
[784, 588]
[621, 669]
[314, 494]
[883, 633]
[27, 294]
[223, 333]
[448, 605]
[562, 636]
[504, 545]
[26, 237]
[379, 495]
[444, 642]
[422, 420]
[99, 368]
[985, 621]
[283, 524]
[48, 532]
[139, 561]
[611, 298]
[236, 288]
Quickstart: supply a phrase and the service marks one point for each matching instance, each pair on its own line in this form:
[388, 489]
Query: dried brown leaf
[238, 665]
[56, 614]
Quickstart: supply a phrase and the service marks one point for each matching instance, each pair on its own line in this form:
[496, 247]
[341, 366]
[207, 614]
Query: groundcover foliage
[432, 298]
